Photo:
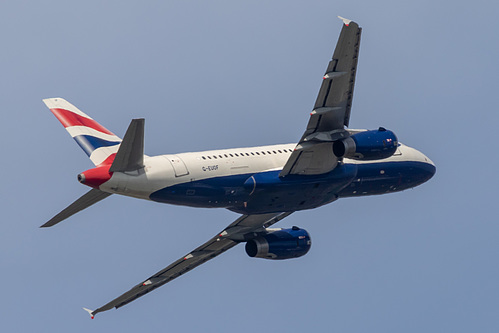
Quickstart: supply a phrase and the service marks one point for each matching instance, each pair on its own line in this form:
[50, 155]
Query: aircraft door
[178, 165]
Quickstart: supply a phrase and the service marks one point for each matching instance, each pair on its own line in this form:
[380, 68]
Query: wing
[314, 155]
[244, 228]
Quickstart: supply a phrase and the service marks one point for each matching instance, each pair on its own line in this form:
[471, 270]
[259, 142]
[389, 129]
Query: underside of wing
[334, 101]
[331, 113]
[240, 230]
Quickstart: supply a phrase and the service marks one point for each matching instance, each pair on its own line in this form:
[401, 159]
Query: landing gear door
[178, 165]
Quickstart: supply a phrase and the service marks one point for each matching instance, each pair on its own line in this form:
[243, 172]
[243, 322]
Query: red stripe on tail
[109, 160]
[68, 119]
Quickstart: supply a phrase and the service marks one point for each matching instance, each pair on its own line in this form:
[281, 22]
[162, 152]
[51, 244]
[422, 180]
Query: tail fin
[130, 156]
[99, 143]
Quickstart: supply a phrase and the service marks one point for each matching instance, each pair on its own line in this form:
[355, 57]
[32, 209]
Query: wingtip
[46, 225]
[90, 312]
[345, 21]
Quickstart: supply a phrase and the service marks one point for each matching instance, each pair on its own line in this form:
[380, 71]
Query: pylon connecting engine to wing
[367, 145]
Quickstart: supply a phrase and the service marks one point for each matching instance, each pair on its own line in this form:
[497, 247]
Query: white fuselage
[165, 171]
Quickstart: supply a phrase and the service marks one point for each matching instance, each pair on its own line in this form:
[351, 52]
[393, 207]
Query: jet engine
[367, 145]
[280, 244]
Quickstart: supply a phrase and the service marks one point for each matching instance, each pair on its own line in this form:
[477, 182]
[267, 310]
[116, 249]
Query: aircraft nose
[428, 160]
[428, 167]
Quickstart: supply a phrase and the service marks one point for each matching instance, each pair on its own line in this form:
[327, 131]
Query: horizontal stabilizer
[87, 200]
[130, 156]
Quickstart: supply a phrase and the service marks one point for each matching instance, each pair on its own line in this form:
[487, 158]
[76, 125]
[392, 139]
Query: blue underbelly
[266, 192]
[211, 192]
[381, 178]
[260, 193]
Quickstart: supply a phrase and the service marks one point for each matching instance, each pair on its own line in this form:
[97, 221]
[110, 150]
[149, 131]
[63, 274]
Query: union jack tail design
[99, 143]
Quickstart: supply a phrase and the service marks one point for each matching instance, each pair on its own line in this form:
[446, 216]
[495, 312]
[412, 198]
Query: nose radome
[428, 160]
[429, 167]
[420, 157]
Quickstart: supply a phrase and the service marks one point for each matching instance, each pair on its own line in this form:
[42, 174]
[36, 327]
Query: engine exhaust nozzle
[81, 178]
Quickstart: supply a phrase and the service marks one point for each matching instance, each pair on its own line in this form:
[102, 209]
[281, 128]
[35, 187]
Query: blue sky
[222, 74]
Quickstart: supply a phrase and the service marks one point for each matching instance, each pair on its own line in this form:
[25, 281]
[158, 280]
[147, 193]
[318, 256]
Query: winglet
[346, 21]
[90, 312]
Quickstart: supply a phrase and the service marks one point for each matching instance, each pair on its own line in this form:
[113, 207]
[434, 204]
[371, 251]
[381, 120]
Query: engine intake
[367, 145]
[280, 244]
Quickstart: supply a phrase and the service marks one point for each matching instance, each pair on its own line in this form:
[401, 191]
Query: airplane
[264, 184]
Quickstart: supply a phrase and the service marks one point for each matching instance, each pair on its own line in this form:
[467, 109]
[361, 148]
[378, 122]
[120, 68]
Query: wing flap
[310, 159]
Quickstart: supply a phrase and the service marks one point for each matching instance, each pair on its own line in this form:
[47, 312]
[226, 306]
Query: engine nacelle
[280, 244]
[367, 145]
